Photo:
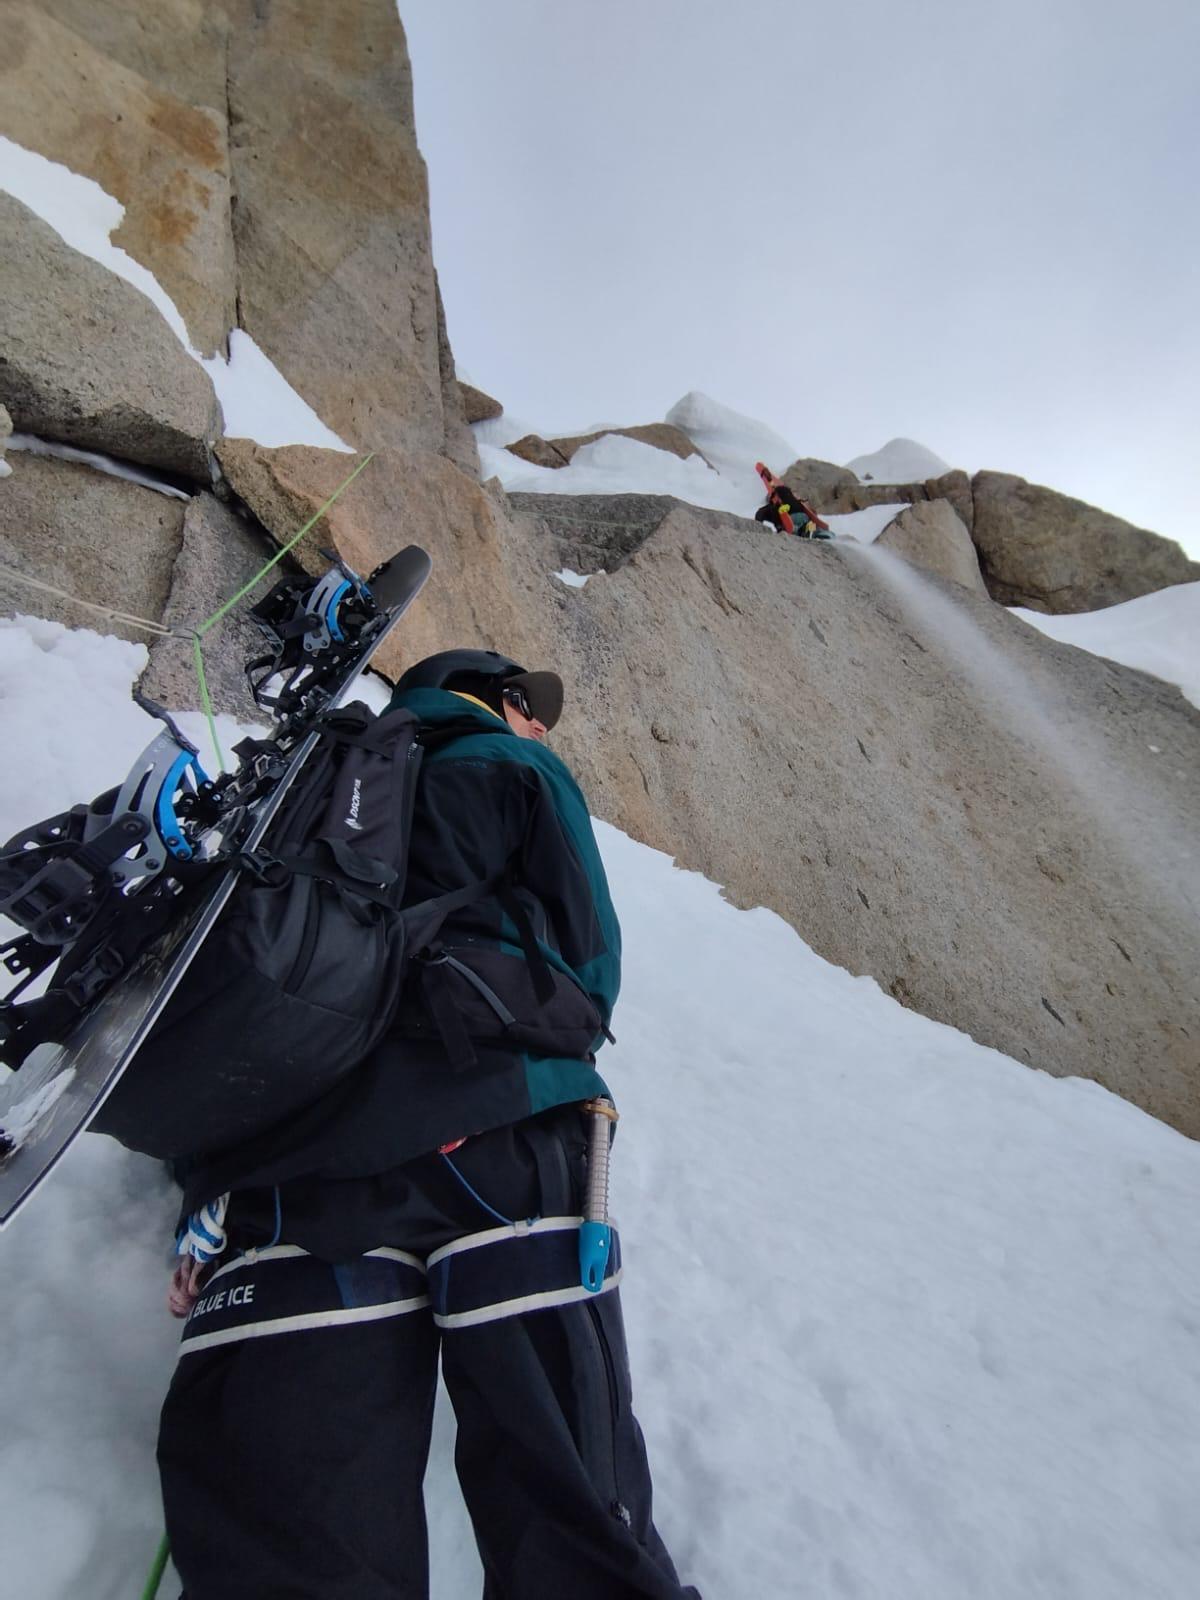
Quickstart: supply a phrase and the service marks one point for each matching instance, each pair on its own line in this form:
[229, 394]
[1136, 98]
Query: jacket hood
[439, 706]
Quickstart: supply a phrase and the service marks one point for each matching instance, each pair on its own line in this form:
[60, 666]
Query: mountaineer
[429, 1205]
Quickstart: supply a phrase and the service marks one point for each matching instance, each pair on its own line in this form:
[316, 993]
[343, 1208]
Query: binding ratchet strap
[504, 1272]
[282, 1289]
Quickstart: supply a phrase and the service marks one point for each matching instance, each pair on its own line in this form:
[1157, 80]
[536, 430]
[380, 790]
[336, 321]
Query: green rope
[223, 611]
[157, 1568]
[206, 703]
[294, 540]
[197, 633]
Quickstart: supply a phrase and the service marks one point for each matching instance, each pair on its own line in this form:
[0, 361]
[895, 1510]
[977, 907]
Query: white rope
[126, 617]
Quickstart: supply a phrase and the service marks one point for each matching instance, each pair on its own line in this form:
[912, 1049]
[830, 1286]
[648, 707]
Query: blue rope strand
[491, 1210]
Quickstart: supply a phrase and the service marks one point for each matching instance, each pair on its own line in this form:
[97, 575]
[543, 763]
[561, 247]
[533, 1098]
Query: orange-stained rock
[164, 158]
[483, 580]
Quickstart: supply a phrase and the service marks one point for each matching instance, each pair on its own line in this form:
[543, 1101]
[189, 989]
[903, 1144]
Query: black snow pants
[294, 1437]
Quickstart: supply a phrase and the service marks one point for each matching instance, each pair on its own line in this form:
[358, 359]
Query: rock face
[660, 435]
[557, 452]
[5, 434]
[458, 442]
[219, 553]
[818, 481]
[86, 359]
[1046, 551]
[1036, 548]
[402, 497]
[931, 534]
[590, 533]
[930, 792]
[100, 538]
[147, 41]
[335, 268]
[952, 486]
[164, 157]
[477, 406]
[532, 447]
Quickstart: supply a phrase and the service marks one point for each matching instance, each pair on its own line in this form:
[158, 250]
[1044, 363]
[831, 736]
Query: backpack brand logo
[355, 801]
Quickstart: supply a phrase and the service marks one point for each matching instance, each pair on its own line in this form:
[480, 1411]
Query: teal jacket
[486, 801]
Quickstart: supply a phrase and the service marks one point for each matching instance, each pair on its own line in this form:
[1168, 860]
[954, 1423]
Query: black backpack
[306, 969]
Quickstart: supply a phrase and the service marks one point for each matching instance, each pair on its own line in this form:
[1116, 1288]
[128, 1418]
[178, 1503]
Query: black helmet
[488, 676]
[435, 672]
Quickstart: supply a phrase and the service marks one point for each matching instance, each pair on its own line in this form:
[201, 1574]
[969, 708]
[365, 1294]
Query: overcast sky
[974, 225]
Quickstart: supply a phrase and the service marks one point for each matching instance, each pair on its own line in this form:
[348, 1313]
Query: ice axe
[595, 1233]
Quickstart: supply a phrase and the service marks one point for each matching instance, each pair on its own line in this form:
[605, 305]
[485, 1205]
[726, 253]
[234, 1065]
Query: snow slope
[907, 1320]
[616, 465]
[865, 525]
[900, 461]
[723, 479]
[1158, 633]
[731, 441]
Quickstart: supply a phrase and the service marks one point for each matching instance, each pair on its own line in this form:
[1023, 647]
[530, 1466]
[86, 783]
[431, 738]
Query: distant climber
[785, 510]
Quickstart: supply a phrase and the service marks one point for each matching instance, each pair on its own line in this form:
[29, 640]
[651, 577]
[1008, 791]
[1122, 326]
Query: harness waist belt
[482, 1277]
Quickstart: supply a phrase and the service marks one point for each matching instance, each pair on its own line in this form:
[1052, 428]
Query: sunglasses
[519, 700]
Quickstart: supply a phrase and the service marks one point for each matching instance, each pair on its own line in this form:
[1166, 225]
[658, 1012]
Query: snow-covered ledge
[91, 458]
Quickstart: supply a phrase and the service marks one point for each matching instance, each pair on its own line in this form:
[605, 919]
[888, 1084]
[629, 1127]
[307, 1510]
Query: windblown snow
[906, 1318]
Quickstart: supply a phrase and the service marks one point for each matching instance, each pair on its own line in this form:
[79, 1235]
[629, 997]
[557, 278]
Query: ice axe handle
[595, 1234]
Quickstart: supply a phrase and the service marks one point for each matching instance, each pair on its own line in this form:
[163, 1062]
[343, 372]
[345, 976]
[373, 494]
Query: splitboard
[151, 848]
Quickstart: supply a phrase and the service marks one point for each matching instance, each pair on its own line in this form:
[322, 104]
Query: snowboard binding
[91, 886]
[313, 631]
